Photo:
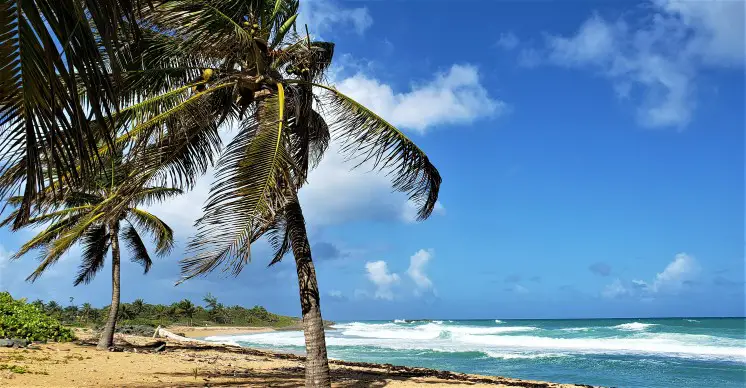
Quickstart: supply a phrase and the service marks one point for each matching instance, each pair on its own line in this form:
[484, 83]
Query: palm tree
[159, 312]
[138, 306]
[187, 309]
[97, 215]
[191, 67]
[86, 312]
[203, 66]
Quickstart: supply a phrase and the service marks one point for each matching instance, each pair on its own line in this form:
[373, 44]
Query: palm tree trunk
[317, 365]
[107, 337]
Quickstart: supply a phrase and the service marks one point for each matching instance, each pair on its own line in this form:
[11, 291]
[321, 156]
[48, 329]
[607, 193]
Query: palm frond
[152, 195]
[63, 242]
[279, 238]
[46, 236]
[95, 245]
[47, 45]
[252, 180]
[368, 137]
[137, 248]
[161, 232]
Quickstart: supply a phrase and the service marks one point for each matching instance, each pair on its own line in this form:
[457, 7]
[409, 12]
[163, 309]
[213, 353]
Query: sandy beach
[202, 332]
[79, 364]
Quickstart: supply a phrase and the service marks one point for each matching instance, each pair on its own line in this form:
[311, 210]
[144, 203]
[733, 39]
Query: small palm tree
[159, 312]
[187, 309]
[86, 312]
[96, 216]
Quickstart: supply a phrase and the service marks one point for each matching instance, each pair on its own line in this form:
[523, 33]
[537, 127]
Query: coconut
[207, 74]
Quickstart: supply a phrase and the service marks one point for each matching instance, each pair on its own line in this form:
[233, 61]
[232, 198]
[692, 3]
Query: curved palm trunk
[317, 365]
[107, 336]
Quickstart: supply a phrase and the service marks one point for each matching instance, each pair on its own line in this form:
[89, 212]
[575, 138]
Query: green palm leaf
[252, 181]
[368, 137]
[137, 248]
[95, 246]
[161, 232]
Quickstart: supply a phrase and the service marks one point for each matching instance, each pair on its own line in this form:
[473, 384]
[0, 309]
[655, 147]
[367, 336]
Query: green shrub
[19, 319]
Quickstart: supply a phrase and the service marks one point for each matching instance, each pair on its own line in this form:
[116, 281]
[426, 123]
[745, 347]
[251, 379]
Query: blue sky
[592, 156]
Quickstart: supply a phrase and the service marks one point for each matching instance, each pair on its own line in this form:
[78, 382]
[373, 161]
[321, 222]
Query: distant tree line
[184, 312]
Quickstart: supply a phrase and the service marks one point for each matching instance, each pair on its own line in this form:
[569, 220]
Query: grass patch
[14, 368]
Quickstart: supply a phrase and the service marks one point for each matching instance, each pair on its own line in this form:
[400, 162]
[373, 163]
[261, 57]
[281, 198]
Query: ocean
[672, 352]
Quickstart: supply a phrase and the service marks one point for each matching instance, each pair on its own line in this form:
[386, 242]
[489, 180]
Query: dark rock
[14, 343]
[115, 349]
[141, 330]
[160, 348]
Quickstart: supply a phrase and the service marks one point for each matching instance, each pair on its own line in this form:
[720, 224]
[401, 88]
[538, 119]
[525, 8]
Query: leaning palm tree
[96, 216]
[187, 69]
[202, 66]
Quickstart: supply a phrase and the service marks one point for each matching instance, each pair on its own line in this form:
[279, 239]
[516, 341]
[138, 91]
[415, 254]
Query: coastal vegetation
[141, 313]
[25, 321]
[153, 86]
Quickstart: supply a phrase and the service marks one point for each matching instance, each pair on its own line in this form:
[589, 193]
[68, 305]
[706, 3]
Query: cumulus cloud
[657, 58]
[324, 15]
[683, 268]
[600, 269]
[615, 289]
[517, 289]
[416, 271]
[508, 41]
[678, 273]
[336, 295]
[378, 273]
[453, 97]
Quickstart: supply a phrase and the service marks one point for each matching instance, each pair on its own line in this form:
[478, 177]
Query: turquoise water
[673, 352]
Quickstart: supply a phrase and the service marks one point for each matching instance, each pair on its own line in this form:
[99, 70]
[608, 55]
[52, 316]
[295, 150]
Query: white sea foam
[400, 321]
[512, 356]
[692, 320]
[514, 341]
[498, 321]
[438, 322]
[576, 329]
[634, 326]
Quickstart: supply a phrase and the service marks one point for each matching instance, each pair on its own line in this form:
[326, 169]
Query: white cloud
[454, 97]
[335, 293]
[615, 289]
[409, 213]
[519, 289]
[683, 268]
[659, 56]
[508, 41]
[325, 15]
[416, 271]
[378, 273]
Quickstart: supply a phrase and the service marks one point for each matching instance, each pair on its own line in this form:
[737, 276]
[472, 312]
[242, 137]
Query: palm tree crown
[89, 215]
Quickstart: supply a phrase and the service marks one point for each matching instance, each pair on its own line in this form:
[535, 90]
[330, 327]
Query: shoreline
[137, 363]
[209, 331]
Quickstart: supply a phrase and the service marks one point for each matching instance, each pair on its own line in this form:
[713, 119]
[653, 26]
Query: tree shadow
[294, 377]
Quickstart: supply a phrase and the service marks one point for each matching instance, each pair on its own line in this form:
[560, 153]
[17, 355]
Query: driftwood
[163, 333]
